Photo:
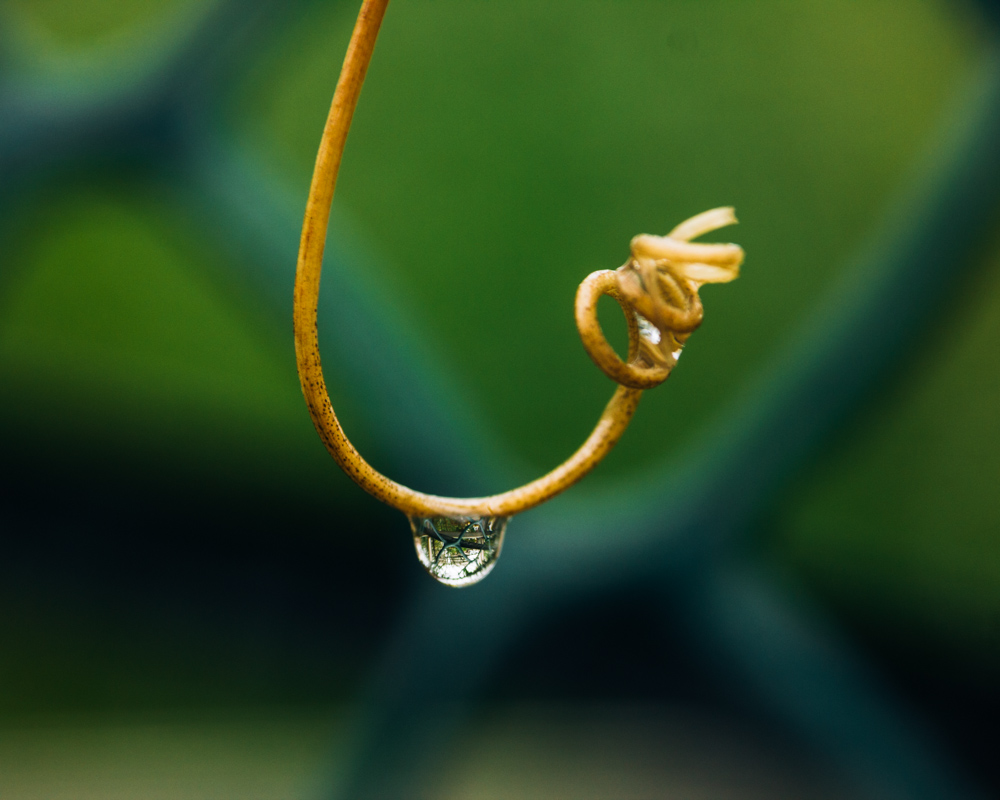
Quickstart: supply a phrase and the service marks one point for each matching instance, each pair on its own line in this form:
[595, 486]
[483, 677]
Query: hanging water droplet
[458, 551]
[647, 330]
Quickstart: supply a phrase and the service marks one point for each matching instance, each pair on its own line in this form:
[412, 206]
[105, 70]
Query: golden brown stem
[634, 375]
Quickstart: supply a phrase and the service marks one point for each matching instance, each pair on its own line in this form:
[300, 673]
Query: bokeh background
[784, 582]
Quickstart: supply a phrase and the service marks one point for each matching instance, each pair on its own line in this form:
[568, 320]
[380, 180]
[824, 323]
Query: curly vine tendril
[657, 289]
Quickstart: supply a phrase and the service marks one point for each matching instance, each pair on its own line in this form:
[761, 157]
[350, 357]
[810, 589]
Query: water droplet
[647, 330]
[458, 551]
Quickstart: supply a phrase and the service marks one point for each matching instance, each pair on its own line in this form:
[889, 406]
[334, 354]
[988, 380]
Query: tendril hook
[657, 289]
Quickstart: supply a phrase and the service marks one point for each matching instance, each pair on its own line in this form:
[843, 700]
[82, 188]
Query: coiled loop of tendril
[657, 289]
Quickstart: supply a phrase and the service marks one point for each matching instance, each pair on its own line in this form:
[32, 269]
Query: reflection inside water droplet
[458, 551]
[658, 348]
[647, 330]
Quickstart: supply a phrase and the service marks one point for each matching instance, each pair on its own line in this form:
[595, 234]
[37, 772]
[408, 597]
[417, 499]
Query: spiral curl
[657, 289]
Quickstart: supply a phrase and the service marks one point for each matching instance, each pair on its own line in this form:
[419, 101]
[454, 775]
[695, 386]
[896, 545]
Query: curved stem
[610, 427]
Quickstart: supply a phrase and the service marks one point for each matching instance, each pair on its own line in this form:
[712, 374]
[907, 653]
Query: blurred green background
[501, 151]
